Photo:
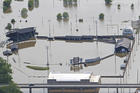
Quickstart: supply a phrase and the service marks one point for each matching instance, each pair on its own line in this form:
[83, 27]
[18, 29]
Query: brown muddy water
[44, 19]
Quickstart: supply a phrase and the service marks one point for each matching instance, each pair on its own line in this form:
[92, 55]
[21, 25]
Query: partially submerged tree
[36, 3]
[7, 6]
[70, 3]
[59, 16]
[132, 6]
[108, 2]
[101, 16]
[65, 15]
[13, 21]
[30, 4]
[24, 12]
[119, 6]
[9, 26]
[6, 78]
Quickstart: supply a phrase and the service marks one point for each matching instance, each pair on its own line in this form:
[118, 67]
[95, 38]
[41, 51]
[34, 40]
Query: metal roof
[124, 42]
[73, 76]
[92, 60]
[26, 30]
[20, 31]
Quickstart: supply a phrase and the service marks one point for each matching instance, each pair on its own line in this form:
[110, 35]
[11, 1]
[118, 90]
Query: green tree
[6, 78]
[101, 16]
[9, 26]
[65, 15]
[7, 3]
[36, 3]
[132, 6]
[5, 71]
[13, 21]
[30, 4]
[59, 16]
[24, 12]
[119, 6]
[7, 6]
[108, 2]
[69, 3]
[75, 1]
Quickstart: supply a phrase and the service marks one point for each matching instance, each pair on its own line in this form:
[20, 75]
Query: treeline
[6, 78]
[69, 3]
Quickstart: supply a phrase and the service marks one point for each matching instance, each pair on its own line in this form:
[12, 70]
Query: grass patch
[38, 68]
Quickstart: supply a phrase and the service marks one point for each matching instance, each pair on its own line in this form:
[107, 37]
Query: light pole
[49, 28]
[47, 56]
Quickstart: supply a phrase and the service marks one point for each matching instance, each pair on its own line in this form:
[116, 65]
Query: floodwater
[44, 19]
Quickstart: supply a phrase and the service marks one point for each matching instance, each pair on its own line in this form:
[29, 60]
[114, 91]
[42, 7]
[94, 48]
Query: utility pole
[76, 22]
[138, 37]
[71, 27]
[115, 65]
[96, 30]
[118, 29]
[30, 90]
[93, 21]
[53, 3]
[96, 36]
[137, 76]
[42, 21]
[49, 28]
[117, 90]
[47, 56]
[89, 29]
[43, 88]
[107, 28]
[18, 58]
[53, 29]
